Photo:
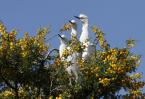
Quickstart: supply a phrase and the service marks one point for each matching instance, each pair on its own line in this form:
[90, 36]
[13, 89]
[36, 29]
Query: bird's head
[62, 38]
[82, 17]
[73, 24]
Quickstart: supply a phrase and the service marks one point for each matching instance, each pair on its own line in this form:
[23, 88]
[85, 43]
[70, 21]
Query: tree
[28, 70]
[21, 59]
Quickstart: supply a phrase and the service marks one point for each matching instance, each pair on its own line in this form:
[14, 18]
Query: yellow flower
[51, 97]
[66, 64]
[58, 61]
[66, 27]
[59, 97]
[11, 45]
[24, 53]
[97, 75]
[130, 43]
[104, 81]
[138, 75]
[7, 93]
[81, 63]
[113, 78]
[12, 35]
[94, 29]
[2, 28]
[109, 71]
[113, 65]
[65, 53]
[135, 92]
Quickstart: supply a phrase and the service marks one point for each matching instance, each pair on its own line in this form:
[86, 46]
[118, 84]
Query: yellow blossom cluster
[66, 64]
[136, 75]
[136, 60]
[66, 53]
[110, 71]
[109, 56]
[75, 45]
[35, 42]
[2, 28]
[26, 44]
[81, 63]
[57, 61]
[66, 27]
[130, 43]
[118, 60]
[136, 85]
[14, 48]
[7, 93]
[59, 97]
[100, 37]
[104, 81]
[10, 93]
[135, 92]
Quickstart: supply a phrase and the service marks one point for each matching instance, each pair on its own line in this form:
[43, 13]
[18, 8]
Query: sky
[119, 19]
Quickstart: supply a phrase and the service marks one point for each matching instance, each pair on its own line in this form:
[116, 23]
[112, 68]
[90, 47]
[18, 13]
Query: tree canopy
[29, 69]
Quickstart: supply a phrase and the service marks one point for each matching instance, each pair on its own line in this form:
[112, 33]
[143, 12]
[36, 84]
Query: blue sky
[119, 19]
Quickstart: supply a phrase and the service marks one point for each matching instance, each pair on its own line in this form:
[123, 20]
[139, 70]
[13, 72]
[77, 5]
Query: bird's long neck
[63, 42]
[85, 28]
[62, 47]
[73, 32]
[84, 35]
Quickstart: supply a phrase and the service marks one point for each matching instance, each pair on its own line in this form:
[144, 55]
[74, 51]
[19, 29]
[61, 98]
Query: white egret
[72, 69]
[63, 45]
[85, 34]
[84, 38]
[73, 29]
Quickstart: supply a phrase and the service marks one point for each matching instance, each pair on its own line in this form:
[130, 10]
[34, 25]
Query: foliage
[27, 70]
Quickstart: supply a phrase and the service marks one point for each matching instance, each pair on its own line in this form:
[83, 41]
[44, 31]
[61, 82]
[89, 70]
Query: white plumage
[84, 38]
[72, 69]
[63, 45]
[73, 28]
[88, 51]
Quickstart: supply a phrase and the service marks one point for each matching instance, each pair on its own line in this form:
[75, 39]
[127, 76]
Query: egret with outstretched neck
[84, 38]
[73, 29]
[73, 67]
[85, 34]
[63, 45]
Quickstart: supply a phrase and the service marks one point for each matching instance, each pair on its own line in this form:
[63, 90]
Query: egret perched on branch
[74, 39]
[72, 69]
[73, 29]
[63, 45]
[85, 34]
[84, 38]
